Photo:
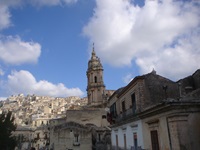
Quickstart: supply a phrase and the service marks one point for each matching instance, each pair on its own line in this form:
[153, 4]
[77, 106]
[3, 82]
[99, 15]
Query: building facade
[84, 129]
[152, 112]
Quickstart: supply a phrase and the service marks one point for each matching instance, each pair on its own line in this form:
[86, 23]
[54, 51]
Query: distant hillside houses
[27, 109]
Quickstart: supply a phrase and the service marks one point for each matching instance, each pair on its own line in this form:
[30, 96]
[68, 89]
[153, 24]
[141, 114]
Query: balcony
[125, 115]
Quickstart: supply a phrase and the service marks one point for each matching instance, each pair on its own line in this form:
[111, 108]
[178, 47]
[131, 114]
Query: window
[76, 137]
[76, 140]
[38, 135]
[99, 136]
[124, 141]
[95, 79]
[116, 141]
[133, 102]
[113, 110]
[154, 140]
[123, 106]
[135, 140]
[103, 116]
[45, 136]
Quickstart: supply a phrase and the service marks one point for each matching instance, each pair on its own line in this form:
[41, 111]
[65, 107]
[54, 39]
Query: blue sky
[45, 45]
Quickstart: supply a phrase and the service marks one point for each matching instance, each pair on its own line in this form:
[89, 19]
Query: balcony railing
[125, 115]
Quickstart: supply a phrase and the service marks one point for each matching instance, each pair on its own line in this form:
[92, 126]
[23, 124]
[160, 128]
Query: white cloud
[128, 78]
[11, 3]
[14, 3]
[51, 2]
[1, 72]
[45, 2]
[157, 35]
[5, 14]
[5, 5]
[24, 82]
[4, 17]
[15, 51]
[70, 1]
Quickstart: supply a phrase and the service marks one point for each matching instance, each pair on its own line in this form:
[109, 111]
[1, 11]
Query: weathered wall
[65, 139]
[177, 129]
[88, 116]
[192, 82]
[155, 92]
[159, 123]
[185, 131]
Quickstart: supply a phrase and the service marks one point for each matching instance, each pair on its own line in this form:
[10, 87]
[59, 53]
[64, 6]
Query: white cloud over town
[162, 35]
[24, 82]
[4, 17]
[1, 72]
[128, 78]
[5, 5]
[52, 2]
[14, 3]
[15, 51]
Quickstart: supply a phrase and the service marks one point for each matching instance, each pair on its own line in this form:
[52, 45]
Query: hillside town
[31, 108]
[31, 112]
[149, 113]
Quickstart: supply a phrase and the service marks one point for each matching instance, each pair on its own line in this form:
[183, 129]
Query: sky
[45, 45]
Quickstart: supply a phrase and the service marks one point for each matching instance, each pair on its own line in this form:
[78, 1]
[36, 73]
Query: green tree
[7, 126]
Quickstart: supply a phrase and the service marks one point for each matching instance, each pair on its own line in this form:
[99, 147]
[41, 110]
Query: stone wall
[190, 83]
[71, 136]
[90, 116]
[158, 88]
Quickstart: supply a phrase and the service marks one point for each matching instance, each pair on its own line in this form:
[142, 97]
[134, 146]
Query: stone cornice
[167, 106]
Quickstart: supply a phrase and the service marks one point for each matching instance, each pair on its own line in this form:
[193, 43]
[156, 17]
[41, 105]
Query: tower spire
[93, 52]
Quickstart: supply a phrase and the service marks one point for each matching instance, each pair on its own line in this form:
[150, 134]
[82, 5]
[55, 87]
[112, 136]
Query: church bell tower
[95, 84]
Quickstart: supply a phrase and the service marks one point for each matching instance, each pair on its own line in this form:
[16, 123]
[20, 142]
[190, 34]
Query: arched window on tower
[95, 79]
